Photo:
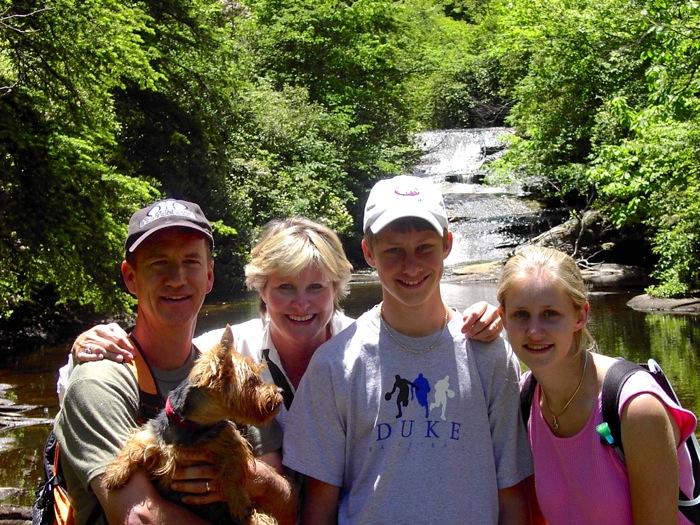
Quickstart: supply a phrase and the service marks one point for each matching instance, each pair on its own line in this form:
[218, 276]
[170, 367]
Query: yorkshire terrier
[222, 390]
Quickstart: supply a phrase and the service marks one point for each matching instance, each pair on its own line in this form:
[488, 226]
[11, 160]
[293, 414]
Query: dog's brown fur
[222, 387]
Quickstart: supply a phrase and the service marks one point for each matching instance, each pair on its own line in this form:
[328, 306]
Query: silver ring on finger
[88, 349]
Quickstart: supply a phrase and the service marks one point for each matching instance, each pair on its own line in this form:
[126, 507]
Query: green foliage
[468, 11]
[459, 83]
[652, 178]
[607, 106]
[577, 56]
[254, 111]
[352, 58]
[298, 169]
[470, 97]
[269, 108]
[58, 130]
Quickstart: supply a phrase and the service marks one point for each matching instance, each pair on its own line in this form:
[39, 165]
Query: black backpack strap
[527, 392]
[151, 400]
[614, 380]
[612, 387]
[42, 508]
[689, 506]
[280, 380]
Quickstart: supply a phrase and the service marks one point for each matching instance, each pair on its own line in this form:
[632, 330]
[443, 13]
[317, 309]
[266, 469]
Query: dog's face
[230, 387]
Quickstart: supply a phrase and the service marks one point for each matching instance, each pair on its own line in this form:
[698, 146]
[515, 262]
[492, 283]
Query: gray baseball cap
[163, 214]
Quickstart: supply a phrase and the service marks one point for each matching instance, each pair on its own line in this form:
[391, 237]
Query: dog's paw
[115, 477]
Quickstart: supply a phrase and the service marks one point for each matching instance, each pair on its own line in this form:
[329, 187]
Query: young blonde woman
[577, 480]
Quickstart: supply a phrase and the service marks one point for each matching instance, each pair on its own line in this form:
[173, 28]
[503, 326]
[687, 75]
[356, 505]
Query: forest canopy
[268, 108]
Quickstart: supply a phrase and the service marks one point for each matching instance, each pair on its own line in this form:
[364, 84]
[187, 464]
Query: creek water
[28, 380]
[482, 219]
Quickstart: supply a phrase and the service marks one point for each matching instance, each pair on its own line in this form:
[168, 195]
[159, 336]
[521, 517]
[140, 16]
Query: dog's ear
[226, 345]
[227, 337]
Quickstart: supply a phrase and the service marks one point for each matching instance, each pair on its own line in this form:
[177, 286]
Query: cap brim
[390, 216]
[183, 224]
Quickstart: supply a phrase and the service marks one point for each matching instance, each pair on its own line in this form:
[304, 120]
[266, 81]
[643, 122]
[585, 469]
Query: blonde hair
[288, 246]
[538, 260]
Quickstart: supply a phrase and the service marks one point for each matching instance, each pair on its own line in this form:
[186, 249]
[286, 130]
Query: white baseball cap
[404, 196]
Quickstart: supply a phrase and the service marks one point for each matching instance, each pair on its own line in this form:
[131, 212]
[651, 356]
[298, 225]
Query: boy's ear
[367, 252]
[447, 244]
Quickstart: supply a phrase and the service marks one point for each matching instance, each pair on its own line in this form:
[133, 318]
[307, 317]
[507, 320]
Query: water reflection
[673, 340]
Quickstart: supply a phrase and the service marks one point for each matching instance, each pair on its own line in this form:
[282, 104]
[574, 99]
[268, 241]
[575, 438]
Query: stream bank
[600, 276]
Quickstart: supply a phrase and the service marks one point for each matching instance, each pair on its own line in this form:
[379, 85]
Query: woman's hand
[104, 341]
[482, 322]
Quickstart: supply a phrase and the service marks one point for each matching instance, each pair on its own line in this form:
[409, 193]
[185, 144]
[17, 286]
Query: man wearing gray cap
[400, 418]
[169, 267]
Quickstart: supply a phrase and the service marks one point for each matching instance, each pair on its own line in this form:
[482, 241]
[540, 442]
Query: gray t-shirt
[410, 438]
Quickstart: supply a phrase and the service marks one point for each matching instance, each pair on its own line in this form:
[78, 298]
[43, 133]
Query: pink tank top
[579, 481]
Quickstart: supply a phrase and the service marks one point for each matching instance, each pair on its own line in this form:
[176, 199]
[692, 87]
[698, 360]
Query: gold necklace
[389, 330]
[555, 424]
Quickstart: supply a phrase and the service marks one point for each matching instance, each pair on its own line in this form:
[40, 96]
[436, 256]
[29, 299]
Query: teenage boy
[455, 451]
[169, 268]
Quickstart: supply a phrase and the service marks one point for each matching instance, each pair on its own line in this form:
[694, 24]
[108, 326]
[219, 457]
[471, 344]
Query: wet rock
[480, 272]
[12, 414]
[11, 515]
[618, 275]
[646, 303]
[13, 421]
[599, 275]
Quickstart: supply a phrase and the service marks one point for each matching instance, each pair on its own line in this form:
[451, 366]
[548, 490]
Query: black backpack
[611, 435]
[52, 505]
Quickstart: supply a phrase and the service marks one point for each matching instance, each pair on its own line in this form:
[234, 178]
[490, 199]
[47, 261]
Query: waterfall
[457, 155]
[487, 222]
